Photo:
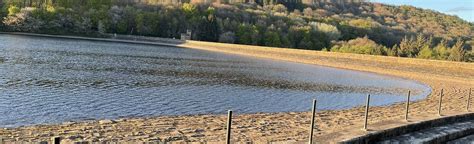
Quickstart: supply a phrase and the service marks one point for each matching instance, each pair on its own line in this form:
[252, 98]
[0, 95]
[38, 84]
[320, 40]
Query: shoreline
[164, 41]
[334, 125]
[182, 44]
[191, 44]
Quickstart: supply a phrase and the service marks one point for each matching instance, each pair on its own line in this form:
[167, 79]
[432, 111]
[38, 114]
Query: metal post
[408, 106]
[367, 112]
[440, 102]
[469, 100]
[312, 122]
[229, 124]
[56, 140]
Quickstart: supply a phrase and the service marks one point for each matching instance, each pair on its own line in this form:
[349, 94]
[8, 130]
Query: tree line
[365, 28]
[413, 47]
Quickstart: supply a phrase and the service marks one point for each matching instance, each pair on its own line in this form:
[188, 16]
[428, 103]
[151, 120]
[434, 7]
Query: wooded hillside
[354, 27]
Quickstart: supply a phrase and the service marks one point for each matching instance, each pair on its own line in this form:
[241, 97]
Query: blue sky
[462, 8]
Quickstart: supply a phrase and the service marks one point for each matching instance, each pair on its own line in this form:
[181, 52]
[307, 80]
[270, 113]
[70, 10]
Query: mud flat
[454, 77]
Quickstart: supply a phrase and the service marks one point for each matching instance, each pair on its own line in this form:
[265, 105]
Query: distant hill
[354, 26]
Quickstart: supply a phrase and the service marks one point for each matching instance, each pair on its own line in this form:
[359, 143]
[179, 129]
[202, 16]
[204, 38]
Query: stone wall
[389, 133]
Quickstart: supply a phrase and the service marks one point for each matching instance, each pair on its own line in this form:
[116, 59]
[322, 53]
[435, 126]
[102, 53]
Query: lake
[48, 80]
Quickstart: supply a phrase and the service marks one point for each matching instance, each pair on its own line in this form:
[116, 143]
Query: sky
[462, 8]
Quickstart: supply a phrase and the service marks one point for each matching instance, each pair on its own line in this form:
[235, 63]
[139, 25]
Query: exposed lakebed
[47, 80]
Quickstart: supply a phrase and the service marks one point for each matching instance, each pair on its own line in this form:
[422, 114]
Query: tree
[457, 51]
[441, 50]
[247, 34]
[425, 53]
[84, 25]
[324, 25]
[331, 31]
[12, 10]
[364, 23]
[308, 12]
[393, 51]
[115, 14]
[314, 40]
[279, 8]
[126, 23]
[24, 21]
[189, 9]
[192, 16]
[406, 48]
[227, 37]
[209, 29]
[272, 39]
[360, 46]
[470, 56]
[296, 35]
[419, 43]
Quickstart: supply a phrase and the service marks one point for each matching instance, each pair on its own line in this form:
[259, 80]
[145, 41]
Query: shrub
[360, 46]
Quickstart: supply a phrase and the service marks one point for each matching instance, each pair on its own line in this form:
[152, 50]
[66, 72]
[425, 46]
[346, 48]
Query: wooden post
[312, 122]
[408, 106]
[56, 140]
[367, 112]
[229, 125]
[440, 102]
[468, 100]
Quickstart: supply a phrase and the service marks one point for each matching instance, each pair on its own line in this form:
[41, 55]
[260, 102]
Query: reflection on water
[44, 80]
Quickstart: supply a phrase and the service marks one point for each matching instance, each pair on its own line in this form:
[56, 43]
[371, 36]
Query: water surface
[47, 80]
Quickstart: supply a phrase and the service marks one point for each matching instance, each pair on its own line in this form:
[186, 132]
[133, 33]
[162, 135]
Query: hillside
[351, 26]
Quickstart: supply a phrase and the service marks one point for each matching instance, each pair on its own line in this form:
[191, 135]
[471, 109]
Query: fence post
[56, 140]
[312, 122]
[469, 100]
[229, 125]
[367, 112]
[440, 102]
[408, 106]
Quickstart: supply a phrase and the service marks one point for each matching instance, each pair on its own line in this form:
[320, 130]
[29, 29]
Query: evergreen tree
[441, 50]
[457, 51]
[425, 53]
[405, 47]
[393, 51]
[272, 39]
[247, 34]
[209, 29]
[295, 36]
[418, 44]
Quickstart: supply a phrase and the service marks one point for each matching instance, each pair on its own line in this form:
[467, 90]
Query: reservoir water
[48, 80]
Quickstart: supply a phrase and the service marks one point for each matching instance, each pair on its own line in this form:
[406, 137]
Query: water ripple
[44, 80]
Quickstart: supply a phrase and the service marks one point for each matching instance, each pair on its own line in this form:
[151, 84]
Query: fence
[57, 140]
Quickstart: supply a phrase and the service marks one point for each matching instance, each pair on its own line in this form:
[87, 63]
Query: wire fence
[366, 114]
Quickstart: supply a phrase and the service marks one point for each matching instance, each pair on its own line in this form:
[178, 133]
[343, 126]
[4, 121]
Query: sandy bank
[456, 78]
